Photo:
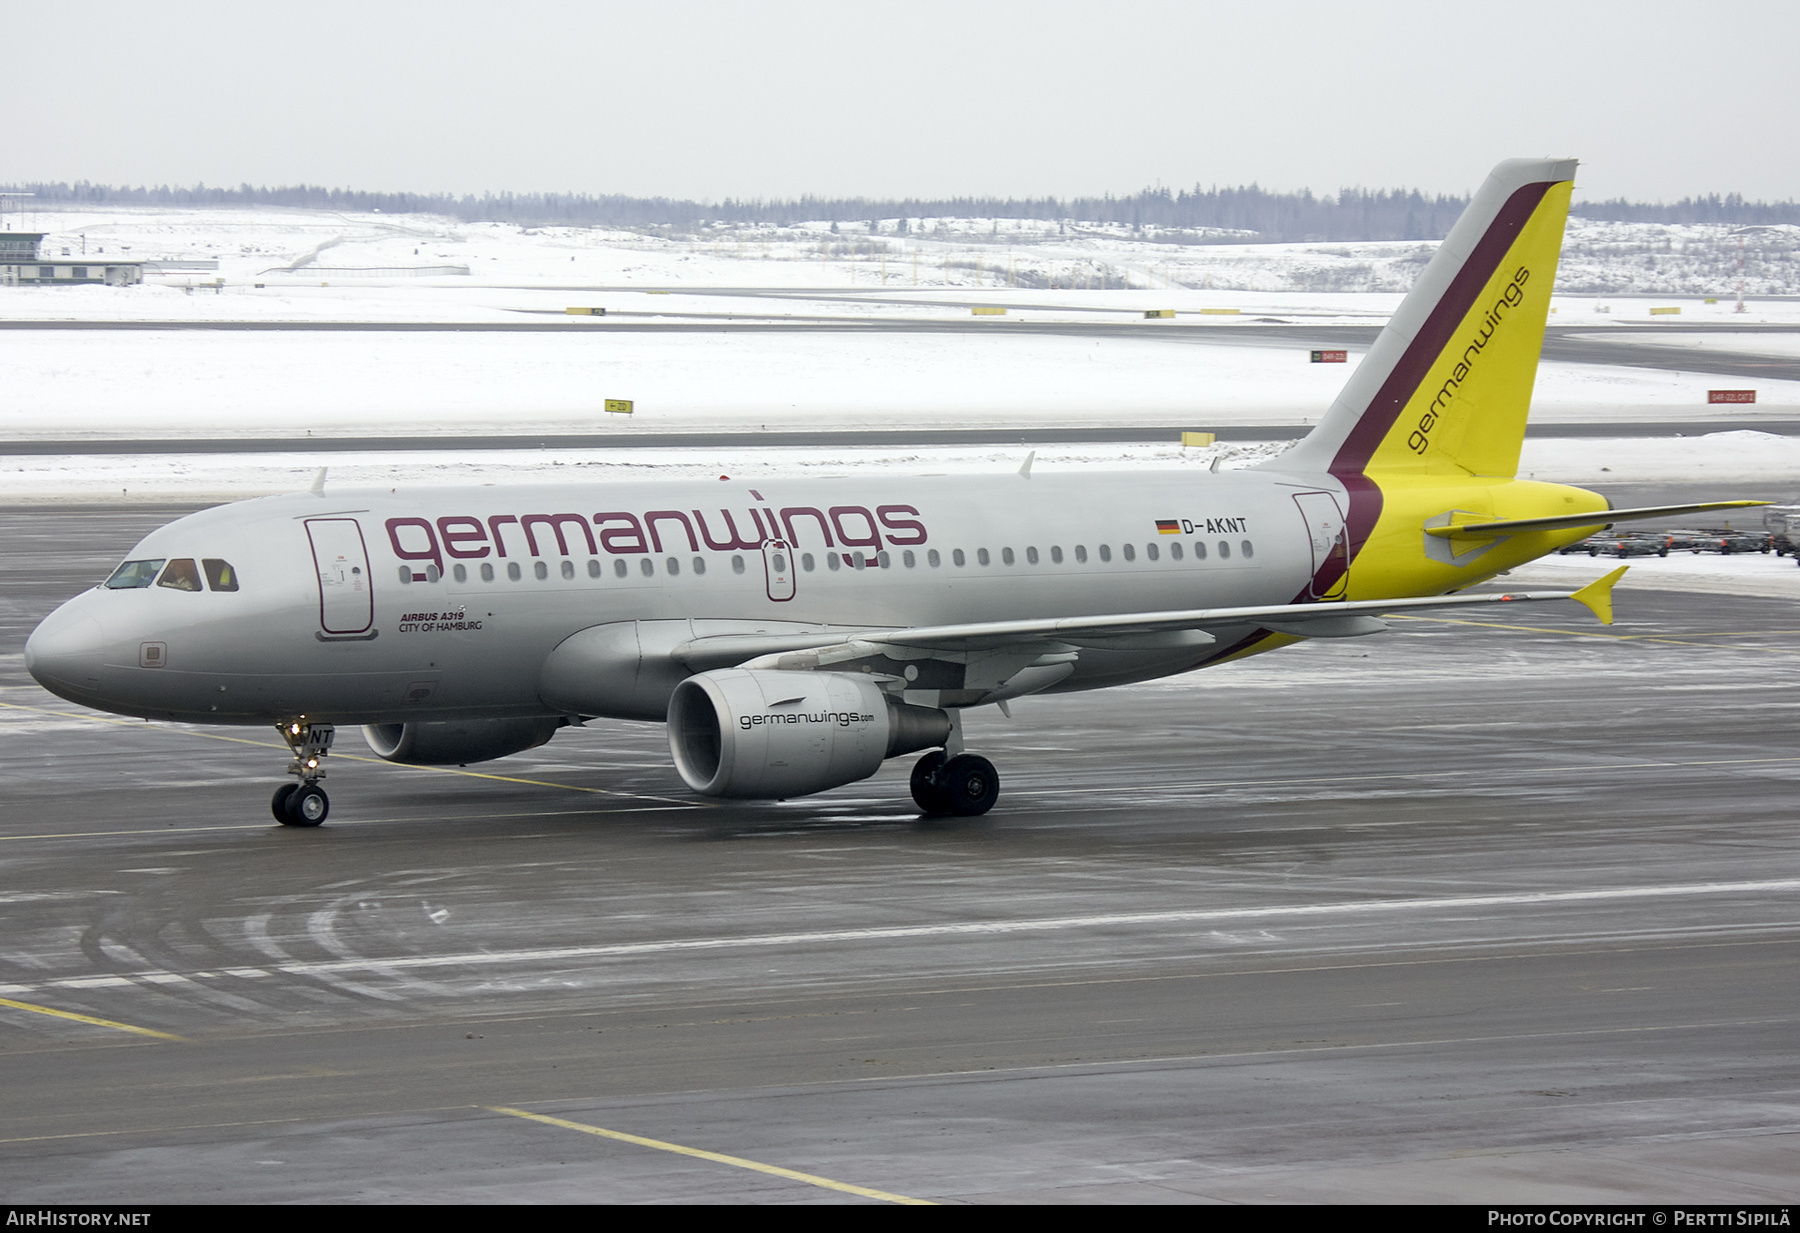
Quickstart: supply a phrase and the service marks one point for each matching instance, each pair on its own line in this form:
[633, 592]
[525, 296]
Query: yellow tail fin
[1446, 387]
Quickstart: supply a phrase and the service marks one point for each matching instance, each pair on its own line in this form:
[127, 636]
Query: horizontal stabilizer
[1597, 518]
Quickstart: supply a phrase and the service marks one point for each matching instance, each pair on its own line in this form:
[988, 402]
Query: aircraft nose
[63, 653]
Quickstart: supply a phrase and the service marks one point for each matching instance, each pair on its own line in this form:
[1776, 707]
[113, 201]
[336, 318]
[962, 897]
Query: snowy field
[276, 246]
[1192, 371]
[172, 383]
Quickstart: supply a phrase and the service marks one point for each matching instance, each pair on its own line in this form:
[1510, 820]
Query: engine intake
[456, 741]
[764, 735]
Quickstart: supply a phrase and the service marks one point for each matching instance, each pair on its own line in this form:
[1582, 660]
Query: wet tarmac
[1470, 911]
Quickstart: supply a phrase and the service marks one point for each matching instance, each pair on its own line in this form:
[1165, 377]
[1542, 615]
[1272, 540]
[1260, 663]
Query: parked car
[1722, 540]
[1622, 544]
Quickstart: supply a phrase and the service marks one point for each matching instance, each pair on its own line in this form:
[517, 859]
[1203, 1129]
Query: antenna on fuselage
[318, 484]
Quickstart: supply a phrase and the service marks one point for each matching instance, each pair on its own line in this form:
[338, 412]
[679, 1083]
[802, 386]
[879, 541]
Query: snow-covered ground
[286, 248]
[1769, 577]
[137, 383]
[173, 383]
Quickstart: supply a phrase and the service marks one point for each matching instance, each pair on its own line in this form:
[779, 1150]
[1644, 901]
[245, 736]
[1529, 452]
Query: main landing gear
[304, 803]
[965, 784]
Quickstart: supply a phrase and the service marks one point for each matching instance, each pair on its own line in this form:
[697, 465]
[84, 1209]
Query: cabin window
[1224, 551]
[1249, 549]
[884, 559]
[1031, 556]
[593, 567]
[619, 569]
[1130, 552]
[134, 574]
[1175, 551]
[487, 572]
[568, 568]
[674, 566]
[909, 559]
[219, 574]
[1106, 552]
[1152, 551]
[958, 559]
[1081, 554]
[541, 570]
[512, 571]
[981, 555]
[460, 573]
[1199, 551]
[181, 575]
[831, 559]
[737, 564]
[699, 565]
[647, 567]
[806, 562]
[1055, 554]
[1006, 556]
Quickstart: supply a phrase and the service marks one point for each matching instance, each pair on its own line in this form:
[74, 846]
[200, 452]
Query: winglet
[1025, 471]
[1597, 595]
[318, 484]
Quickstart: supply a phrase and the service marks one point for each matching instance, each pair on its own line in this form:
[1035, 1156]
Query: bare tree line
[1248, 214]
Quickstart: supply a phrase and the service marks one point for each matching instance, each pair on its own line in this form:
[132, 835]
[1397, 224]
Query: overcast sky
[708, 99]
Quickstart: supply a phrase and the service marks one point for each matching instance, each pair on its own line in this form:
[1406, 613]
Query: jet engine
[456, 741]
[769, 734]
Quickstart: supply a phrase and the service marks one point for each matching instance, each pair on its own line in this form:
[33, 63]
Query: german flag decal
[1168, 526]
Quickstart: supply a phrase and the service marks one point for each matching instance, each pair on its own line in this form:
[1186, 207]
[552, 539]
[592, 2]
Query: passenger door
[1330, 548]
[346, 602]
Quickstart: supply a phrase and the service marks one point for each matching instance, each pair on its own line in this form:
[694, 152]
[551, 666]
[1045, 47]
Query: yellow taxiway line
[811, 1179]
[110, 1023]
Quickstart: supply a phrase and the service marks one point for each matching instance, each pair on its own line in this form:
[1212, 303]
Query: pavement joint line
[1407, 775]
[1242, 1055]
[188, 730]
[811, 1179]
[108, 1023]
[1596, 633]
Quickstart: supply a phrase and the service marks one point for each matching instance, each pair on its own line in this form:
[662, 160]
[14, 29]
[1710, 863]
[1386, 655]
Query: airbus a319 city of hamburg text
[796, 633]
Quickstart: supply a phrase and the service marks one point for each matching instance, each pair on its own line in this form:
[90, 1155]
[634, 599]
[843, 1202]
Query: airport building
[20, 264]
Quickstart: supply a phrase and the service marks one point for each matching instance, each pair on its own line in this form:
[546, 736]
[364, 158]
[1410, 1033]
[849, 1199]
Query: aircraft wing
[1131, 630]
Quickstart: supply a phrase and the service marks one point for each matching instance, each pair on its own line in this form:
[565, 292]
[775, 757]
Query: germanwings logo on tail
[1512, 297]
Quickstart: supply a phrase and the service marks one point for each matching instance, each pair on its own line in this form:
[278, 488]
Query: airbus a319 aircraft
[794, 634]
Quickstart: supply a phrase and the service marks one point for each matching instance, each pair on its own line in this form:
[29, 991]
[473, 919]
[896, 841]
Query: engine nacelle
[769, 734]
[452, 742]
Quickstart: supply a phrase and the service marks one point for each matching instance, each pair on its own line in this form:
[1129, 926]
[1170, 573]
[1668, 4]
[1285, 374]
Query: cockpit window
[181, 575]
[219, 574]
[134, 574]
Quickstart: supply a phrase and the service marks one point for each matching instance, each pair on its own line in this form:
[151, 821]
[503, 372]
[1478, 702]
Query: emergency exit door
[778, 568]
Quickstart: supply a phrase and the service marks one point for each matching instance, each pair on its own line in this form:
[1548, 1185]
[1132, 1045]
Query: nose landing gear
[304, 803]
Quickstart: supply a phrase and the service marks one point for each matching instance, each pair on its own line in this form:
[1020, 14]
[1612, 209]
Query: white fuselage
[382, 607]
